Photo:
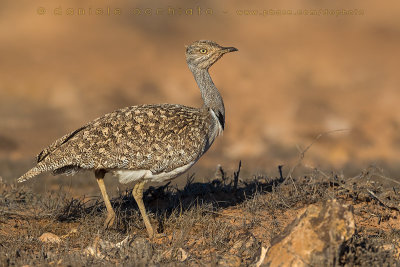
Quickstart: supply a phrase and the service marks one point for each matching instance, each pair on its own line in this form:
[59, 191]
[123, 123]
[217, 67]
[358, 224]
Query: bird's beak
[229, 49]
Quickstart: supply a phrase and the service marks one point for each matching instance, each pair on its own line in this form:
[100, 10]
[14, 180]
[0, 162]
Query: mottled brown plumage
[158, 138]
[146, 142]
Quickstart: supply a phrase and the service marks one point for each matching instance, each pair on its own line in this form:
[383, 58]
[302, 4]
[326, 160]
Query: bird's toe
[109, 220]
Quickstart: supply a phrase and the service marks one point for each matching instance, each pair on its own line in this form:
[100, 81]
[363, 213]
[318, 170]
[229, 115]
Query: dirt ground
[330, 80]
[209, 223]
[294, 77]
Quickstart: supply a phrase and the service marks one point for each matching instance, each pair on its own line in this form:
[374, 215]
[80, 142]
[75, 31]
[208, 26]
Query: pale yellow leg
[110, 212]
[137, 193]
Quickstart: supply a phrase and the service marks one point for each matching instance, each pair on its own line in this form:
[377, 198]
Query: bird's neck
[210, 94]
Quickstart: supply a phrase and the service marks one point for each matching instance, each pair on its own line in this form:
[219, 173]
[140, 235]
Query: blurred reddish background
[294, 77]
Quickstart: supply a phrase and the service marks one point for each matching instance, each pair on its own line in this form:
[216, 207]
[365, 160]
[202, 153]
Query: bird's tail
[38, 169]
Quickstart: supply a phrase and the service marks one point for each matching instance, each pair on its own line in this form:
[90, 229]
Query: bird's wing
[150, 137]
[45, 152]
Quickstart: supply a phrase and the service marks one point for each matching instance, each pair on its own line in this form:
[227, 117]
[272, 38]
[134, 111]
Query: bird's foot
[153, 232]
[155, 236]
[109, 220]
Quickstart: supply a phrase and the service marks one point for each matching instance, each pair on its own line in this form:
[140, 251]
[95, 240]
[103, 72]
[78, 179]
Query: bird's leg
[110, 212]
[137, 193]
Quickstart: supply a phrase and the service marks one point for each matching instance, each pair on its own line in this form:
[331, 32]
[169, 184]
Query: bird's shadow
[221, 192]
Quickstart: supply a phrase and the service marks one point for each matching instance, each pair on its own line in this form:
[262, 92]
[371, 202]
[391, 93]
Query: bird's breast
[128, 176]
[216, 127]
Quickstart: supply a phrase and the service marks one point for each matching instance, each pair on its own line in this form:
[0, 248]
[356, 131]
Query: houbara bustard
[145, 143]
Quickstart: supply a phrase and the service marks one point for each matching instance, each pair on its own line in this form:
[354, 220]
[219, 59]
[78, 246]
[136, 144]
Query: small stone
[50, 238]
[182, 255]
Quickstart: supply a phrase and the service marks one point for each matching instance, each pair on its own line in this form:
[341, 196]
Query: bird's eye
[203, 50]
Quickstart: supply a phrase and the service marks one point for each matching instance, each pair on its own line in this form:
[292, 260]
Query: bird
[143, 143]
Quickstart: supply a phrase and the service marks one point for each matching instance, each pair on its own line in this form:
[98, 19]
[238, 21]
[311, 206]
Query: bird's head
[203, 54]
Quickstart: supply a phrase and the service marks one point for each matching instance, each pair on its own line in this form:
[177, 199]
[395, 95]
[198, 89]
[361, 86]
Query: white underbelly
[128, 176]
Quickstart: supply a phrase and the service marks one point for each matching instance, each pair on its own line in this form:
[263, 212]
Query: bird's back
[159, 138]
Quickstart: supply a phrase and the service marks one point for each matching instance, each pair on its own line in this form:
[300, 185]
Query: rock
[50, 238]
[182, 254]
[314, 236]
